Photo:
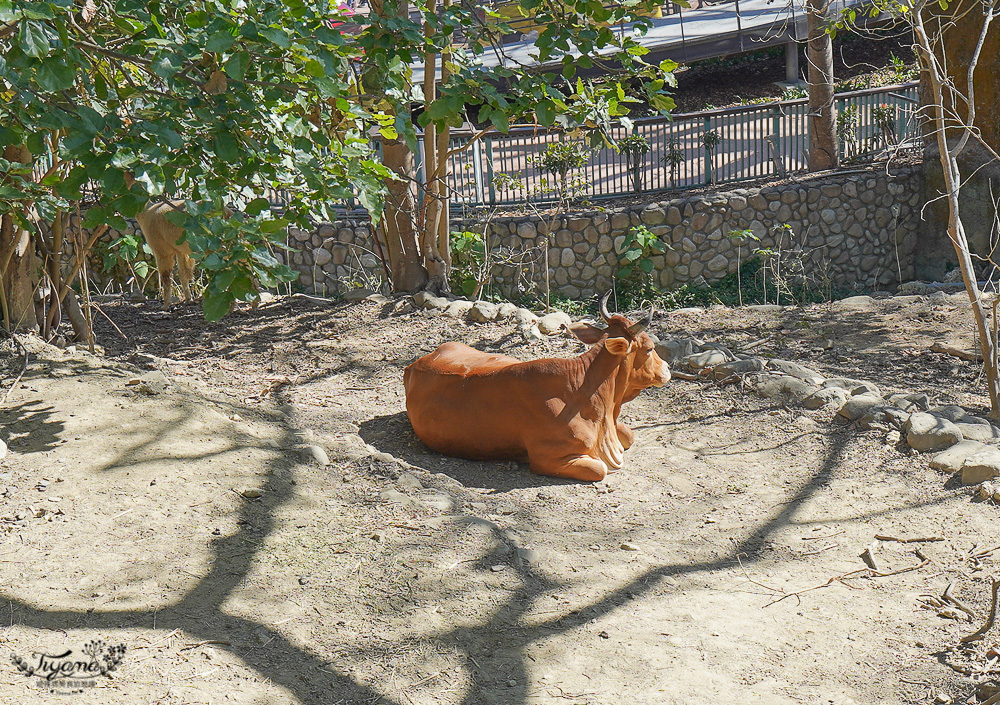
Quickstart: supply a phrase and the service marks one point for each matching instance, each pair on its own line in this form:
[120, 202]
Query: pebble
[252, 492]
[497, 568]
[627, 546]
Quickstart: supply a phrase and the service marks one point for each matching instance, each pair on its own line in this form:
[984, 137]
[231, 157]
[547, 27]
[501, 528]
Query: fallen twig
[928, 539]
[684, 375]
[947, 596]
[981, 632]
[956, 352]
[203, 643]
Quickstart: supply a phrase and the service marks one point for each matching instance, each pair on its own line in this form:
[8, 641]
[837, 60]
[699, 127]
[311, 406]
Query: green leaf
[545, 112]
[314, 68]
[226, 147]
[273, 226]
[277, 36]
[196, 19]
[646, 265]
[500, 121]
[236, 65]
[220, 41]
[216, 305]
[95, 216]
[33, 39]
[54, 76]
[257, 205]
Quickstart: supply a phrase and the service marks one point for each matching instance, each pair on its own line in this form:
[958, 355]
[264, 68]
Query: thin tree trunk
[952, 182]
[17, 256]
[823, 153]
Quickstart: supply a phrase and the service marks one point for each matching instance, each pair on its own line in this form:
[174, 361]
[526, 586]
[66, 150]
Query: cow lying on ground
[559, 414]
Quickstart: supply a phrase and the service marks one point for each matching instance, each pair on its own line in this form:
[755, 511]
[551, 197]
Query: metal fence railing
[719, 146]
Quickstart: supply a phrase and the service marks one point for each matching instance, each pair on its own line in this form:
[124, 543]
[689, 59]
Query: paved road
[720, 29]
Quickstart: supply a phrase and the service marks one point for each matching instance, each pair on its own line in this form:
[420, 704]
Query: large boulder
[858, 406]
[782, 388]
[927, 432]
[737, 368]
[707, 358]
[793, 369]
[952, 459]
[826, 398]
[554, 322]
[483, 312]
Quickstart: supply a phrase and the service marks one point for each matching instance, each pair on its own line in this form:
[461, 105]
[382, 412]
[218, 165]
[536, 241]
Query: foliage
[673, 158]
[794, 93]
[636, 273]
[214, 101]
[562, 160]
[710, 140]
[468, 260]
[635, 147]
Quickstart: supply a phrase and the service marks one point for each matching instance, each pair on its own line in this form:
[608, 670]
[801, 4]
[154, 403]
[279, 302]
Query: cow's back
[470, 404]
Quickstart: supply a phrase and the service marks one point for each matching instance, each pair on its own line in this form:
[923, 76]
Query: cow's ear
[585, 332]
[617, 346]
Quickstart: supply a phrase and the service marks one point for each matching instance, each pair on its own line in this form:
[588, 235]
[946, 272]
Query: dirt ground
[721, 565]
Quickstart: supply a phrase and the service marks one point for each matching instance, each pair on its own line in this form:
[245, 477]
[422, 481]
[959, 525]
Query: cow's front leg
[573, 467]
[625, 435]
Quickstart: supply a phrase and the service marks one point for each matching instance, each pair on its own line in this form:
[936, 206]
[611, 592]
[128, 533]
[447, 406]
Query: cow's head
[626, 339]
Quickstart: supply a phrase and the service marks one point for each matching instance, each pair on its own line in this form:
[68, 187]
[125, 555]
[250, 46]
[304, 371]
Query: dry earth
[721, 565]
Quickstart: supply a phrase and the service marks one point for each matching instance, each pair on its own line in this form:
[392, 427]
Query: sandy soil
[721, 565]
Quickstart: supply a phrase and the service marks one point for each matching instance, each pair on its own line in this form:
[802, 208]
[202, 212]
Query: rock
[765, 308]
[952, 459]
[458, 309]
[673, 349]
[380, 299]
[409, 481]
[883, 416]
[314, 452]
[978, 431]
[436, 500]
[530, 332]
[506, 310]
[355, 295]
[853, 386]
[826, 398]
[915, 288]
[436, 303]
[627, 546]
[3, 450]
[981, 466]
[854, 303]
[911, 402]
[804, 422]
[524, 316]
[554, 322]
[795, 370]
[422, 297]
[395, 496]
[738, 368]
[708, 358]
[858, 406]
[893, 437]
[251, 492]
[784, 388]
[952, 412]
[483, 311]
[926, 432]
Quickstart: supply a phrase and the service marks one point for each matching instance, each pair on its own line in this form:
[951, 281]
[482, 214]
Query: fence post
[709, 174]
[477, 171]
[489, 170]
[636, 171]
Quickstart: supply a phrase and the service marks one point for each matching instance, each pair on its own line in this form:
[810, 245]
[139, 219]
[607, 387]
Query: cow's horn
[604, 307]
[637, 328]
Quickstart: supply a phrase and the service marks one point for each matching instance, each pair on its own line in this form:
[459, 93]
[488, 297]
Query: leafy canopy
[229, 100]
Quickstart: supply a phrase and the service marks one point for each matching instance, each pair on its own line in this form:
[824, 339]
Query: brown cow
[162, 236]
[559, 414]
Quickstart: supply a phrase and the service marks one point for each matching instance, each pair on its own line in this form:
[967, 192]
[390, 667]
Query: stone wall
[855, 231]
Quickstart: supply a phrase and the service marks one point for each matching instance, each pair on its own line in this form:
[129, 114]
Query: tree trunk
[17, 258]
[823, 153]
[399, 230]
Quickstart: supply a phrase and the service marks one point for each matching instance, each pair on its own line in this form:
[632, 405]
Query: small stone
[436, 302]
[314, 452]
[893, 438]
[505, 311]
[394, 496]
[926, 432]
[409, 481]
[355, 295]
[830, 397]
[458, 309]
[795, 370]
[859, 405]
[303, 580]
[911, 402]
[483, 311]
[554, 322]
[708, 358]
[737, 368]
[804, 422]
[497, 568]
[422, 297]
[627, 546]
[854, 303]
[981, 466]
[854, 386]
[251, 493]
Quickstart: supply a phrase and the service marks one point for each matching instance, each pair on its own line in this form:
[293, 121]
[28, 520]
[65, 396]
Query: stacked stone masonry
[855, 231]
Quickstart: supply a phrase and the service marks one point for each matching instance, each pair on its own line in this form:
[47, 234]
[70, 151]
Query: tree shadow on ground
[394, 435]
[496, 645]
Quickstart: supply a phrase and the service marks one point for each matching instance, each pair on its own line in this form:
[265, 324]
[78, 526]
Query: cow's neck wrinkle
[600, 372]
